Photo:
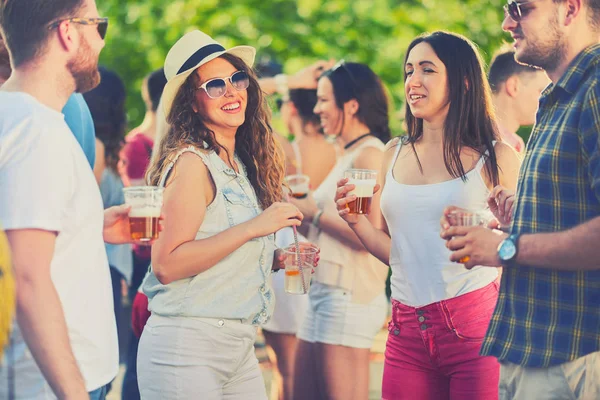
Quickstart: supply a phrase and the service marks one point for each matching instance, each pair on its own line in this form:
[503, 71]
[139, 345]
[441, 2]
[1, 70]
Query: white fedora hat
[194, 49]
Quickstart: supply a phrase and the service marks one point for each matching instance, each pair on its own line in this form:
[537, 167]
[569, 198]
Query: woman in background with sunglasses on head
[348, 305]
[440, 310]
[312, 155]
[208, 288]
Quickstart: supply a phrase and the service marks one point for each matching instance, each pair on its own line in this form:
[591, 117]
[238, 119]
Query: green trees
[293, 32]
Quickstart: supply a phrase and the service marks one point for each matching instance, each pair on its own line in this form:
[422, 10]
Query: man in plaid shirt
[545, 330]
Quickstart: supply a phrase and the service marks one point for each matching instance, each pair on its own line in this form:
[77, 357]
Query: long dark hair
[359, 82]
[107, 106]
[470, 121]
[254, 144]
[304, 100]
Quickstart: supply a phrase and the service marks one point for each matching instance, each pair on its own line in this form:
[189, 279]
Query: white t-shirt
[46, 183]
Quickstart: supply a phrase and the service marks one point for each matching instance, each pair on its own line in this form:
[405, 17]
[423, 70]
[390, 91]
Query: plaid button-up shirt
[546, 317]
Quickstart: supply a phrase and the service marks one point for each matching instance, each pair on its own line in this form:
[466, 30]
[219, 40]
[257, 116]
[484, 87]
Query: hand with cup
[355, 193]
[454, 216]
[298, 265]
[145, 204]
[364, 181]
[117, 229]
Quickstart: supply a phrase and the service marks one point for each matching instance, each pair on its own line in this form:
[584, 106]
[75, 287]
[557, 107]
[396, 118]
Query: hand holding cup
[355, 194]
[297, 277]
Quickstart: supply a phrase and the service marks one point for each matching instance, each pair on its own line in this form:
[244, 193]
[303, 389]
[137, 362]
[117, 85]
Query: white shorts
[198, 358]
[290, 309]
[333, 319]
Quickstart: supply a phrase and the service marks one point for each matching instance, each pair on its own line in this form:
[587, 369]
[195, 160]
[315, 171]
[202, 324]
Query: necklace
[352, 142]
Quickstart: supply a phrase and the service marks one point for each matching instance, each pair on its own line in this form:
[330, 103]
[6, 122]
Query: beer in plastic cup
[296, 281]
[466, 218]
[364, 181]
[299, 185]
[146, 204]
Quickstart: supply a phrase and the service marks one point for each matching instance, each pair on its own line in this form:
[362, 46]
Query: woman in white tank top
[450, 156]
[347, 298]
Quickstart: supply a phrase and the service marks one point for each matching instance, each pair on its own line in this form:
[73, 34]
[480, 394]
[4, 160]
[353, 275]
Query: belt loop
[446, 313]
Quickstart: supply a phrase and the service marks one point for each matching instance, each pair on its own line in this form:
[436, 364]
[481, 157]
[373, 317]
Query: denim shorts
[332, 318]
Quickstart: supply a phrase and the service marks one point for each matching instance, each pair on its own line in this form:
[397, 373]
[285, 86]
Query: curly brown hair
[255, 144]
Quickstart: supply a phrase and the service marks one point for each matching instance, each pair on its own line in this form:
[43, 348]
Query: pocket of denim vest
[238, 206]
[235, 197]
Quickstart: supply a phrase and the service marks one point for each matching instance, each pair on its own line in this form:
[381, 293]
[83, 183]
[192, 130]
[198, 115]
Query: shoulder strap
[371, 142]
[338, 150]
[297, 156]
[484, 158]
[148, 148]
[190, 149]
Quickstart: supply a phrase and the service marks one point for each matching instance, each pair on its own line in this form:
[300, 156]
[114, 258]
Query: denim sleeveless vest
[237, 286]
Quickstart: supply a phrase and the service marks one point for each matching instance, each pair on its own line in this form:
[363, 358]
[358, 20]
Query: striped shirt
[546, 317]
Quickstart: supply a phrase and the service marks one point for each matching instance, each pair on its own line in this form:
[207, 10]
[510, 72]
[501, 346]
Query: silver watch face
[507, 250]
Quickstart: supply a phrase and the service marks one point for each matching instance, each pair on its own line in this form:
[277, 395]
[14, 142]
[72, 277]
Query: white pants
[575, 380]
[198, 358]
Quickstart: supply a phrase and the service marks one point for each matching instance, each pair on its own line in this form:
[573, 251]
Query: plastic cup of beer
[297, 280]
[146, 204]
[466, 218]
[364, 181]
[299, 185]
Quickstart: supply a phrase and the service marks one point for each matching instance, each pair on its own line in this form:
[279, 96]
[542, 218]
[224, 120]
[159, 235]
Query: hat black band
[200, 55]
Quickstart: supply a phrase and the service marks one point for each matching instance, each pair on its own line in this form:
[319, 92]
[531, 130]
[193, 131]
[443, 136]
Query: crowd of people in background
[504, 308]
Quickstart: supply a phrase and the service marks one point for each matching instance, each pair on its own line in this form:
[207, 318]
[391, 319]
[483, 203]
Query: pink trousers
[432, 352]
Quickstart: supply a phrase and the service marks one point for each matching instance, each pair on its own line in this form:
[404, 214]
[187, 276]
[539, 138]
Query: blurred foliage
[292, 32]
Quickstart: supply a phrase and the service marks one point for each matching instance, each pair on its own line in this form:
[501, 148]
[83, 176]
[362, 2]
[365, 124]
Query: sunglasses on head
[514, 10]
[102, 24]
[217, 87]
[342, 64]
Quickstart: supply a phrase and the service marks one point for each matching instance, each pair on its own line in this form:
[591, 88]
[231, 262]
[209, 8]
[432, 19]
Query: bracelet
[317, 219]
[281, 83]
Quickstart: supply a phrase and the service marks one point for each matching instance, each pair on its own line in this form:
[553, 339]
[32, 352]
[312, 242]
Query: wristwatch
[508, 250]
[317, 219]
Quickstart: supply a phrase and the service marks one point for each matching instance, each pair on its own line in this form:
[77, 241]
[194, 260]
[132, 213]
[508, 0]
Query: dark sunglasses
[217, 87]
[102, 24]
[342, 65]
[514, 10]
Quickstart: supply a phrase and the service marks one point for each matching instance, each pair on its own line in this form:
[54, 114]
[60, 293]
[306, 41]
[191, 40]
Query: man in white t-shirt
[65, 344]
[516, 89]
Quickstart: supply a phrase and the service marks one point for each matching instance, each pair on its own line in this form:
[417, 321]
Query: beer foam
[300, 187]
[364, 187]
[144, 212]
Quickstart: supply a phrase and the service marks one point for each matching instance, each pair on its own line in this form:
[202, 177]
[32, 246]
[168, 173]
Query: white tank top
[297, 157]
[422, 272]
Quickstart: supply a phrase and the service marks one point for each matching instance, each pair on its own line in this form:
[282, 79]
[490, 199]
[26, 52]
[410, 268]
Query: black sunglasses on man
[514, 11]
[102, 24]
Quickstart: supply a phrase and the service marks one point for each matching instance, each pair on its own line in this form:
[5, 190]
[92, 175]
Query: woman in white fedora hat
[208, 285]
